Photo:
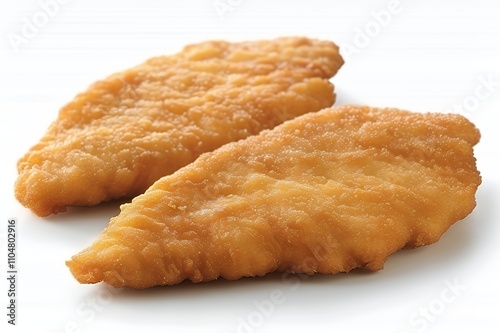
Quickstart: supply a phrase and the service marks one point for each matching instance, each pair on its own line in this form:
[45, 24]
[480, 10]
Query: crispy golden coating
[127, 131]
[326, 192]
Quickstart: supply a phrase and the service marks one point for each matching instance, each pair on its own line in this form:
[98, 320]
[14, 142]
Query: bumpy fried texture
[326, 192]
[127, 131]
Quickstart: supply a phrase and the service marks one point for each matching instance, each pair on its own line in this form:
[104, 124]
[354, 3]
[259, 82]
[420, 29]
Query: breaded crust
[326, 192]
[127, 131]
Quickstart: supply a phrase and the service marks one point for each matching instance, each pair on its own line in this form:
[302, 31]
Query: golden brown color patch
[127, 131]
[326, 192]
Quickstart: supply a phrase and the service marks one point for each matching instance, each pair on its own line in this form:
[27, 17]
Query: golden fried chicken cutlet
[127, 131]
[326, 192]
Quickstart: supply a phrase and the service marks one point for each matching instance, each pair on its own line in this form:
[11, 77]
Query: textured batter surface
[127, 131]
[326, 192]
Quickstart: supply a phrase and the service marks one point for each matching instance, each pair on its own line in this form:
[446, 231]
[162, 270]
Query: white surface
[429, 56]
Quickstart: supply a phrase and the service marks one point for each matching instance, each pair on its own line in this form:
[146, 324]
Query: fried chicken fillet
[125, 132]
[326, 192]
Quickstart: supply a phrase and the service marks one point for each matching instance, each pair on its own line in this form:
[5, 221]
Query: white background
[424, 56]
